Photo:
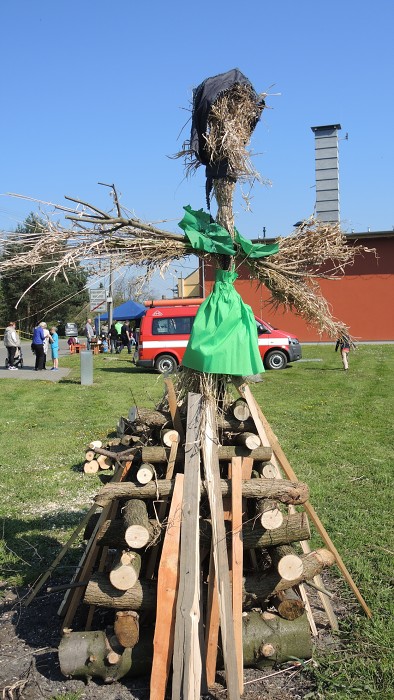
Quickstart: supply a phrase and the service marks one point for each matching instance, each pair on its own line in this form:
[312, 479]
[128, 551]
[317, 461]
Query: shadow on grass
[26, 552]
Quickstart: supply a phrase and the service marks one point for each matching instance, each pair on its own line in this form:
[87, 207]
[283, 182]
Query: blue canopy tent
[127, 311]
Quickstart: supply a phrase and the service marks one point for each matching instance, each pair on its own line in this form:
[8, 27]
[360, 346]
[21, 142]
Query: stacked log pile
[132, 567]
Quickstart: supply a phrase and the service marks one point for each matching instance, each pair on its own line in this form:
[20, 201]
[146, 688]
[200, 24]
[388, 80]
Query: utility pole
[110, 305]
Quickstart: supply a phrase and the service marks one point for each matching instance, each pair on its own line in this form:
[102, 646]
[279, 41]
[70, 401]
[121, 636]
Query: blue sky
[97, 91]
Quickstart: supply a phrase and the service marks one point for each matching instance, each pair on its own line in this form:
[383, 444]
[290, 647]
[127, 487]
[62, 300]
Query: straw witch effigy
[226, 109]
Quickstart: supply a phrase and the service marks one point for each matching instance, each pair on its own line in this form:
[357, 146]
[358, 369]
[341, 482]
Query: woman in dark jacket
[113, 337]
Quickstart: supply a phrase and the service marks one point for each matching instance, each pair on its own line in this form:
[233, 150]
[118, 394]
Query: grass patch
[335, 428]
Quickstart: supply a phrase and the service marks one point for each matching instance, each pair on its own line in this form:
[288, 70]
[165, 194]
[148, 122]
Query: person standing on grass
[47, 341]
[88, 332]
[344, 344]
[55, 348]
[37, 346]
[11, 342]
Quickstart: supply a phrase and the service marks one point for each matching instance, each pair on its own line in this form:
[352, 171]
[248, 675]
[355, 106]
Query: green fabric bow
[202, 234]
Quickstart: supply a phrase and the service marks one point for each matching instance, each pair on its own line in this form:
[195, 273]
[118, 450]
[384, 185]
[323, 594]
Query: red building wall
[363, 298]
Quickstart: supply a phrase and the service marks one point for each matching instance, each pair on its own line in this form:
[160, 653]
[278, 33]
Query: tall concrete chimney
[327, 172]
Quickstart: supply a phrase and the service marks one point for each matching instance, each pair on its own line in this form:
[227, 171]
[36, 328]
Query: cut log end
[271, 519]
[137, 536]
[91, 467]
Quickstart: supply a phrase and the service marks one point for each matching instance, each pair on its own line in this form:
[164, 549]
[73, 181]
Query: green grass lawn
[336, 429]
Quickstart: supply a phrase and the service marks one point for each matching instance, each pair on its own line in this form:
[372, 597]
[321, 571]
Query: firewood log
[270, 515]
[126, 628]
[260, 587]
[257, 588]
[85, 655]
[104, 462]
[268, 639]
[89, 455]
[286, 561]
[294, 492]
[295, 527]
[248, 440]
[148, 417]
[268, 470]
[112, 533]
[226, 453]
[288, 604]
[168, 436]
[94, 444]
[91, 467]
[100, 592]
[125, 571]
[145, 473]
[139, 531]
[240, 410]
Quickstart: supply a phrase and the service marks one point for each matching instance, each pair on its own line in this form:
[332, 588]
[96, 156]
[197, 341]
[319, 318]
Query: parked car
[70, 329]
[165, 331]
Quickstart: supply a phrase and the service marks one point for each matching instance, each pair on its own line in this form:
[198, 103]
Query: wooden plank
[161, 511]
[167, 586]
[212, 476]
[187, 659]
[247, 467]
[174, 410]
[237, 562]
[211, 624]
[290, 474]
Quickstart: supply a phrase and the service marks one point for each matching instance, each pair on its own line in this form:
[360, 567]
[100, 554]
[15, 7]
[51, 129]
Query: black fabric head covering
[203, 98]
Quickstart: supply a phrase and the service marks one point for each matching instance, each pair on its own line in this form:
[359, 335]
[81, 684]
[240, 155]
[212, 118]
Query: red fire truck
[165, 331]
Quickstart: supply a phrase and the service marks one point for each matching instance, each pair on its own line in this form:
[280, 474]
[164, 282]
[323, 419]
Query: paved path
[28, 371]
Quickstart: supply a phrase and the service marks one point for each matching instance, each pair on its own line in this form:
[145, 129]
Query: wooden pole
[167, 587]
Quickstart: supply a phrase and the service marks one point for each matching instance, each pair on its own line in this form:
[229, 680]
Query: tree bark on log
[125, 571]
[84, 655]
[268, 639]
[100, 592]
[226, 453]
[288, 492]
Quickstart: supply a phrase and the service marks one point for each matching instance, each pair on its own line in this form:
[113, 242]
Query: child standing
[344, 344]
[55, 348]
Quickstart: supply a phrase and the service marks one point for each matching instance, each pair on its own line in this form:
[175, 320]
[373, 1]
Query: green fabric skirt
[224, 335]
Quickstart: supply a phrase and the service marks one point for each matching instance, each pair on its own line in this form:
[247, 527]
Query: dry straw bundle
[315, 250]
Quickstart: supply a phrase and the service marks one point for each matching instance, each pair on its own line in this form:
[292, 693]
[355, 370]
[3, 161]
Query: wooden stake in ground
[167, 587]
[237, 562]
[211, 468]
[187, 660]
